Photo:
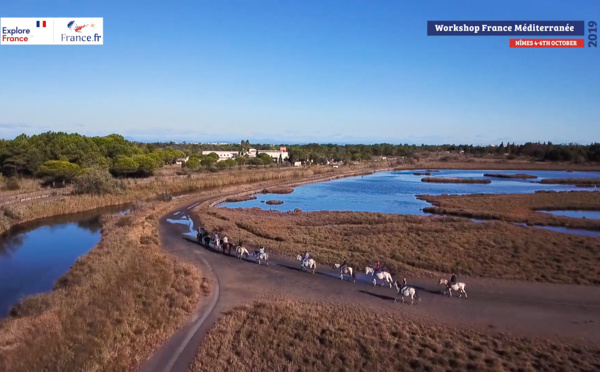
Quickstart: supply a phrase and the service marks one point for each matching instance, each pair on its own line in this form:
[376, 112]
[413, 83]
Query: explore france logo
[51, 31]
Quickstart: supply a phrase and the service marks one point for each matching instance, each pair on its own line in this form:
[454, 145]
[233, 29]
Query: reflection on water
[395, 192]
[184, 220]
[565, 230]
[34, 255]
[595, 215]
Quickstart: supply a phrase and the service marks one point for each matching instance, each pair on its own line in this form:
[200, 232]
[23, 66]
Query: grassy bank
[510, 176]
[454, 180]
[519, 207]
[572, 181]
[278, 190]
[237, 199]
[149, 188]
[284, 335]
[460, 162]
[113, 308]
[413, 245]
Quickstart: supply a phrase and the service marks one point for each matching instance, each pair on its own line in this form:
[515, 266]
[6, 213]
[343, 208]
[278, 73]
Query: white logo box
[51, 31]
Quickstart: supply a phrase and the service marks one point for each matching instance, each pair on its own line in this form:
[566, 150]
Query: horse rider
[344, 264]
[261, 250]
[306, 257]
[216, 240]
[378, 267]
[225, 240]
[404, 282]
[453, 279]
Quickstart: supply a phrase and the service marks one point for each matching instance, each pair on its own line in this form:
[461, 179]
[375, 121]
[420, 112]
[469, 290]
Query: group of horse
[310, 265]
[401, 290]
[240, 251]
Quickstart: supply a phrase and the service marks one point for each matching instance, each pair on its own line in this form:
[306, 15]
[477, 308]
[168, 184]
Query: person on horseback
[261, 250]
[404, 282]
[305, 258]
[453, 279]
[377, 267]
[343, 265]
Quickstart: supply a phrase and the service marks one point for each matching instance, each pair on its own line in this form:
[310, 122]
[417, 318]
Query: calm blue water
[395, 192]
[595, 215]
[33, 257]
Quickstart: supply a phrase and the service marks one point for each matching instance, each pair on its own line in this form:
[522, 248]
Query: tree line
[61, 157]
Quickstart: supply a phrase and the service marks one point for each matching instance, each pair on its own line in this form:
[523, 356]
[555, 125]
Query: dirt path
[565, 311]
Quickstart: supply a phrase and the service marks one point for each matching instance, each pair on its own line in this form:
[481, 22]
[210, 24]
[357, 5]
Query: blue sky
[302, 71]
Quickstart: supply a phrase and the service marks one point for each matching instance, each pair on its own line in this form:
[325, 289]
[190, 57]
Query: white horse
[262, 257]
[382, 275]
[241, 251]
[459, 287]
[406, 291]
[346, 270]
[307, 265]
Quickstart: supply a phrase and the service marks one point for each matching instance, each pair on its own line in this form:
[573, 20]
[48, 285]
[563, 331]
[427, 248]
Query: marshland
[124, 283]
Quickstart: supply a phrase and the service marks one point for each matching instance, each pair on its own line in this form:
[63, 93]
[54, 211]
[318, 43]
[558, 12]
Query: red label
[547, 43]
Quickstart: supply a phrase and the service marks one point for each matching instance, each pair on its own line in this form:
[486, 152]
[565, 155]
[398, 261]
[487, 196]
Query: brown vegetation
[278, 190]
[414, 245]
[143, 189]
[454, 180]
[241, 198]
[116, 304]
[274, 202]
[285, 335]
[520, 207]
[572, 181]
[467, 162]
[517, 176]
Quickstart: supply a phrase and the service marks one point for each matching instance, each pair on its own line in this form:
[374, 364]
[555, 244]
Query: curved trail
[521, 308]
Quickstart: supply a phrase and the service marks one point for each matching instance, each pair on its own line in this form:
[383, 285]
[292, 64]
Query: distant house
[223, 155]
[275, 154]
[182, 161]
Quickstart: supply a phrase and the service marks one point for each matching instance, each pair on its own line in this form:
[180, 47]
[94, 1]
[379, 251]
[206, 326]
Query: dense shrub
[97, 181]
[12, 184]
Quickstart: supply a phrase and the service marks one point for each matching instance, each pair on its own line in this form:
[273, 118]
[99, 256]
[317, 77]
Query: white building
[223, 155]
[274, 154]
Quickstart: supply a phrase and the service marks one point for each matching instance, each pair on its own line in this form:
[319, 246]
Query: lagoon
[395, 192]
[34, 255]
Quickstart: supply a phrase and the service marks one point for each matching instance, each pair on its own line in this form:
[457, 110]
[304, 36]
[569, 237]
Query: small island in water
[520, 176]
[454, 180]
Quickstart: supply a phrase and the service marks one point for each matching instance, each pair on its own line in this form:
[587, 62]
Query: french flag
[40, 23]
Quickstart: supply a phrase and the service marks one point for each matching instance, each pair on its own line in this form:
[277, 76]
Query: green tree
[241, 160]
[59, 171]
[124, 166]
[146, 165]
[209, 160]
[194, 163]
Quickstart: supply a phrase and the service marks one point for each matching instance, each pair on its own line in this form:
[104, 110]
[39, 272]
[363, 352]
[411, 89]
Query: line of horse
[385, 278]
[310, 265]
